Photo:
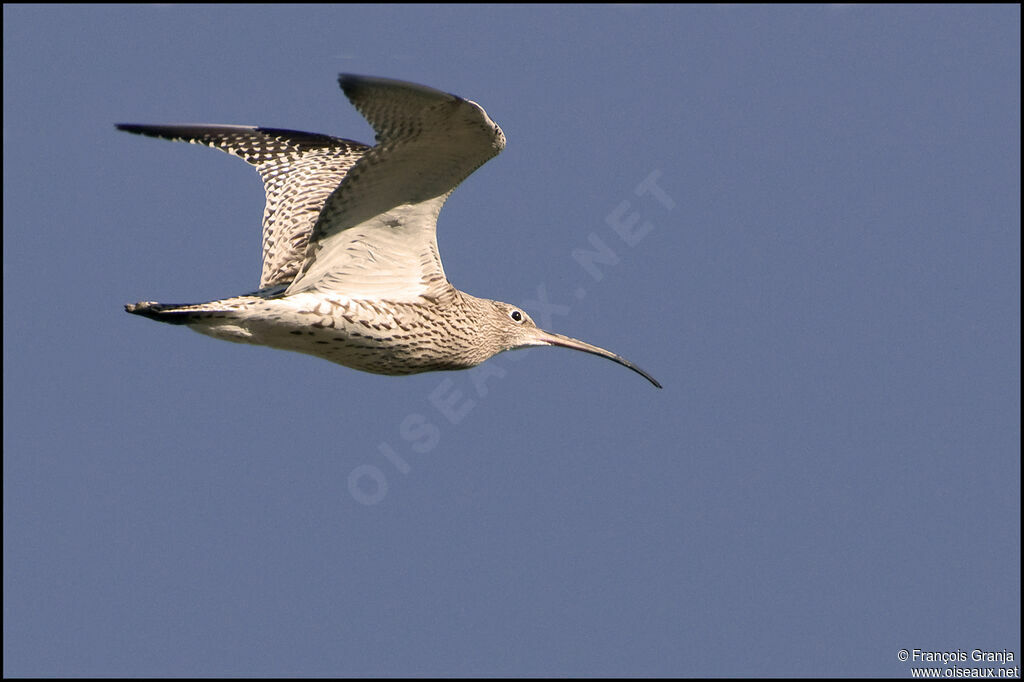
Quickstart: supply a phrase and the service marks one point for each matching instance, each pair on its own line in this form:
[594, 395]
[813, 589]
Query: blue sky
[827, 284]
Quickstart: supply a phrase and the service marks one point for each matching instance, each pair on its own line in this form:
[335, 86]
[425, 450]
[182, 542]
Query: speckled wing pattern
[376, 234]
[299, 171]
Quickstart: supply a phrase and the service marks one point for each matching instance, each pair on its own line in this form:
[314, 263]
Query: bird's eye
[516, 316]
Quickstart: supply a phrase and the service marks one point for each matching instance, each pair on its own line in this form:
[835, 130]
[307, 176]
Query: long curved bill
[567, 342]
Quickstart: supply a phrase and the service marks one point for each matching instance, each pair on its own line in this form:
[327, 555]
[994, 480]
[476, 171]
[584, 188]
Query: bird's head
[511, 328]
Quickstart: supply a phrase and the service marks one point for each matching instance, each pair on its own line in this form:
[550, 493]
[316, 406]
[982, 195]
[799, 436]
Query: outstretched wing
[376, 234]
[299, 171]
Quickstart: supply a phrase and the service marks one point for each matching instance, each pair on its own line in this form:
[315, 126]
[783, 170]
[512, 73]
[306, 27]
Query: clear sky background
[827, 285]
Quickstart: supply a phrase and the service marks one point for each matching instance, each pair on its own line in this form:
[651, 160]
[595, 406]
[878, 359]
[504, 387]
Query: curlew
[351, 271]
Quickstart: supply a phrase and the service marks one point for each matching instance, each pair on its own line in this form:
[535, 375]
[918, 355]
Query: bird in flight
[351, 271]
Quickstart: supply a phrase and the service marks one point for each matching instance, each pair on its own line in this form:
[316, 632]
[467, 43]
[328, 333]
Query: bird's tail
[172, 313]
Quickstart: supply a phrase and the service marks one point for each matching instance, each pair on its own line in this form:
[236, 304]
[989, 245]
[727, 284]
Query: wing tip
[347, 80]
[352, 83]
